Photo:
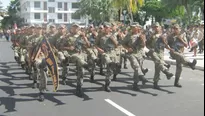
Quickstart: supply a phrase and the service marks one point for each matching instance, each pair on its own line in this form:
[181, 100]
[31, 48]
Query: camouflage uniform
[178, 46]
[136, 43]
[111, 56]
[92, 54]
[156, 45]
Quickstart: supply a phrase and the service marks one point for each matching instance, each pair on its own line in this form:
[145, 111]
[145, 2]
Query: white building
[44, 11]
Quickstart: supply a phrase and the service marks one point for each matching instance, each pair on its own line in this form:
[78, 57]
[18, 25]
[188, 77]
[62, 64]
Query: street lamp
[124, 12]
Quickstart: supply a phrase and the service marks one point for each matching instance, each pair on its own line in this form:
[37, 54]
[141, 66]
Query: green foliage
[13, 17]
[97, 10]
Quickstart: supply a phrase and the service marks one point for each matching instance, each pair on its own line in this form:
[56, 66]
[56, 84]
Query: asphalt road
[17, 98]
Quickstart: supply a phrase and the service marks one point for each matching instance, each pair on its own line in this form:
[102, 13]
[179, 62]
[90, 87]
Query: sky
[5, 3]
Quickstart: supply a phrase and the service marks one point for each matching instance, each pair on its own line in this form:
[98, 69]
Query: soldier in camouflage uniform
[92, 52]
[100, 63]
[156, 45]
[72, 47]
[15, 40]
[177, 46]
[61, 39]
[40, 67]
[111, 57]
[135, 43]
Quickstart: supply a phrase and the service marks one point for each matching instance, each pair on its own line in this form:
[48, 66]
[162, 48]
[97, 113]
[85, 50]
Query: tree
[189, 6]
[12, 17]
[97, 10]
[132, 6]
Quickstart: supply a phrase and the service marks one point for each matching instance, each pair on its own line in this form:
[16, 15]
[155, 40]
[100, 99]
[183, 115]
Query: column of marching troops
[106, 46]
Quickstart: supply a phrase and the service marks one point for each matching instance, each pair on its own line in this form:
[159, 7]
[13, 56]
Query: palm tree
[189, 5]
[132, 6]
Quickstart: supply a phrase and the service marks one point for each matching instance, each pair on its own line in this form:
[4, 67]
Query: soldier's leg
[156, 75]
[42, 79]
[142, 78]
[109, 71]
[178, 73]
[22, 59]
[125, 62]
[135, 66]
[16, 54]
[35, 74]
[81, 64]
[183, 60]
[63, 61]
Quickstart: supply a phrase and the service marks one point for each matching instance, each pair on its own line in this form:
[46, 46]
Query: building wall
[28, 11]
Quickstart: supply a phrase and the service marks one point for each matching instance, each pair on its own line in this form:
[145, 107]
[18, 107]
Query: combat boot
[114, 77]
[101, 72]
[92, 77]
[34, 84]
[64, 81]
[144, 71]
[125, 66]
[192, 65]
[143, 79]
[107, 87]
[167, 66]
[168, 74]
[156, 86]
[79, 91]
[41, 97]
[136, 87]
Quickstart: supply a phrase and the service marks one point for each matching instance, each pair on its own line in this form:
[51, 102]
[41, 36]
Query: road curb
[174, 63]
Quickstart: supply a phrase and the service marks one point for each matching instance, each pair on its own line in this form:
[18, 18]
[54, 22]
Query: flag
[45, 48]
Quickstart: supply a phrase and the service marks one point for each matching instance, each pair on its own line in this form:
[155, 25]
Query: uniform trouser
[80, 60]
[63, 57]
[158, 59]
[201, 45]
[112, 61]
[23, 55]
[180, 59]
[92, 56]
[123, 58]
[40, 74]
[28, 62]
[133, 58]
[16, 51]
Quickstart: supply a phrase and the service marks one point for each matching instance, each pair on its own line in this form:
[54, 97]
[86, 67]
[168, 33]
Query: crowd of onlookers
[5, 34]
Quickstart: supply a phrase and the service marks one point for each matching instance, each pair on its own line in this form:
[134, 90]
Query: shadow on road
[10, 103]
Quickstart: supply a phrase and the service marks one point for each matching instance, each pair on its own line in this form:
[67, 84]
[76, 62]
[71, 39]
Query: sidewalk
[188, 55]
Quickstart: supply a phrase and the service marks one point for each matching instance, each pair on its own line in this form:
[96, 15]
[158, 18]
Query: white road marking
[119, 107]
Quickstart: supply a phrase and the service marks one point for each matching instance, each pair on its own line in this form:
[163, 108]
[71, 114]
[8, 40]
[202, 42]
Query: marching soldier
[177, 46]
[107, 47]
[40, 67]
[92, 52]
[156, 45]
[135, 43]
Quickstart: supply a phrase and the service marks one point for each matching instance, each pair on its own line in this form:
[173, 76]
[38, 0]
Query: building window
[52, 20]
[75, 16]
[65, 6]
[60, 16]
[65, 17]
[51, 9]
[45, 6]
[37, 4]
[45, 17]
[60, 5]
[37, 16]
[51, 0]
[75, 5]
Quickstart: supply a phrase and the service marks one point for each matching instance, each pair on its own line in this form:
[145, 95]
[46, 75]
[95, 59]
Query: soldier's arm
[114, 40]
[182, 40]
[164, 40]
